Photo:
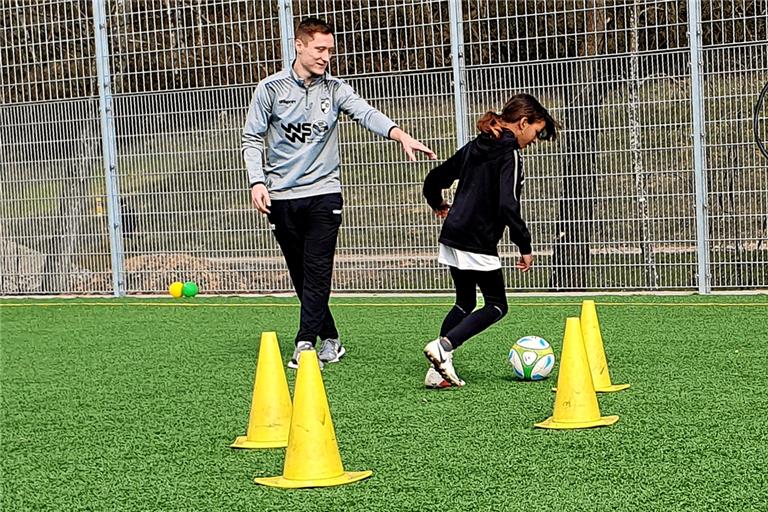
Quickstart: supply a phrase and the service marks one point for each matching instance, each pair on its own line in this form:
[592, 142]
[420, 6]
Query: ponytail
[490, 124]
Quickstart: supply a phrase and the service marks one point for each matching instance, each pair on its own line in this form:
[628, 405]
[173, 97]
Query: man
[292, 125]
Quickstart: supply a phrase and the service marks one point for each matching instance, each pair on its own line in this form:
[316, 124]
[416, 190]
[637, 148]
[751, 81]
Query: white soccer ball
[532, 358]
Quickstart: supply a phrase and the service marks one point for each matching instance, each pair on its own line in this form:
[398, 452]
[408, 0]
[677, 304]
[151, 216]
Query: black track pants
[306, 230]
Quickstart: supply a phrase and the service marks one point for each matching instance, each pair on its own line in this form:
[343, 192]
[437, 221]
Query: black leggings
[462, 322]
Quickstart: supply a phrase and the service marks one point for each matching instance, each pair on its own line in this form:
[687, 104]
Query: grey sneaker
[442, 360]
[331, 351]
[301, 347]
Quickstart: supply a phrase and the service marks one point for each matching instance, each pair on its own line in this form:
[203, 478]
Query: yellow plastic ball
[176, 289]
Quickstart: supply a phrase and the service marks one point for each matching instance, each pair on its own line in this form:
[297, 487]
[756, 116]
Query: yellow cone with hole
[593, 343]
[269, 421]
[576, 401]
[312, 458]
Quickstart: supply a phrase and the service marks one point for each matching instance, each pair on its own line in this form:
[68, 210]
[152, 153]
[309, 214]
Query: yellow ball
[176, 289]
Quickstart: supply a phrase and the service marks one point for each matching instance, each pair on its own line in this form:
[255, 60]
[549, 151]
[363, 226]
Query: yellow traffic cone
[576, 401]
[593, 343]
[270, 418]
[312, 458]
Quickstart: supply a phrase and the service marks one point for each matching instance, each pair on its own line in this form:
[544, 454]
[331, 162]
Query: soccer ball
[532, 358]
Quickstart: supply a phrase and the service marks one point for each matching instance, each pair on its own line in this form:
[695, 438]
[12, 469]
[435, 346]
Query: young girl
[490, 174]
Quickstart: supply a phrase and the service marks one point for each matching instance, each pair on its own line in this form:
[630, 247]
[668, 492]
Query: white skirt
[464, 260]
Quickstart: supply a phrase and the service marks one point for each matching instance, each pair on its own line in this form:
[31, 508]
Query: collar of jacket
[300, 81]
[507, 139]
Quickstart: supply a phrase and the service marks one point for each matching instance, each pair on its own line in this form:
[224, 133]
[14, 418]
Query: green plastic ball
[190, 289]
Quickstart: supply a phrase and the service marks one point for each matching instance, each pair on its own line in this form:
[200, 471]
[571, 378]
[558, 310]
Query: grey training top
[301, 128]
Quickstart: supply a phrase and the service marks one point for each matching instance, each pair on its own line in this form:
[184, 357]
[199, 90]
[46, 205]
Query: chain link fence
[120, 127]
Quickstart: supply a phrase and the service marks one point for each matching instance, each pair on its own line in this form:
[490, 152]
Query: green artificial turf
[130, 404]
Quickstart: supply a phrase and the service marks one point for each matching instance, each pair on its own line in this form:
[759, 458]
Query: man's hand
[525, 262]
[260, 198]
[410, 145]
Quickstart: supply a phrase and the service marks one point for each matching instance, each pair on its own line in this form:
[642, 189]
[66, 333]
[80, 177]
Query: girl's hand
[442, 211]
[525, 262]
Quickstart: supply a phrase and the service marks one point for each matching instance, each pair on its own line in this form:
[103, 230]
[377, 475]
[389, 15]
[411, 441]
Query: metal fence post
[699, 158]
[457, 62]
[286, 31]
[109, 147]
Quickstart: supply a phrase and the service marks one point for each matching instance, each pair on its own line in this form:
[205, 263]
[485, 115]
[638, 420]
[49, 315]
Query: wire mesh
[735, 61]
[53, 233]
[400, 63]
[183, 75]
[611, 205]
[46, 51]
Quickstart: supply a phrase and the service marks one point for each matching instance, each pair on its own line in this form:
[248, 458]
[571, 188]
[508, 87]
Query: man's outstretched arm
[375, 121]
[410, 144]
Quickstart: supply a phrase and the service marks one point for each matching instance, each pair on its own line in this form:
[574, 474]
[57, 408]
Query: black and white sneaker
[442, 360]
[434, 380]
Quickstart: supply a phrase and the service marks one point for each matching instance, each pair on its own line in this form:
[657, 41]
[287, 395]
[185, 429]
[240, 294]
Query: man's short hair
[309, 27]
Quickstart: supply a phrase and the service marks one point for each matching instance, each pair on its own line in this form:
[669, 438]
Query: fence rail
[120, 128]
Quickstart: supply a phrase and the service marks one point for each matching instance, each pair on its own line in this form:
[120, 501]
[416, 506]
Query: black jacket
[490, 174]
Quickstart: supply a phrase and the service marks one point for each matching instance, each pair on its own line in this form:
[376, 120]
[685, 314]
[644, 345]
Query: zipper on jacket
[514, 185]
[307, 104]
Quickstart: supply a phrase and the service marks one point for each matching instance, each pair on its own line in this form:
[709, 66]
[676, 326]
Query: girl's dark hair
[516, 108]
[310, 26]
